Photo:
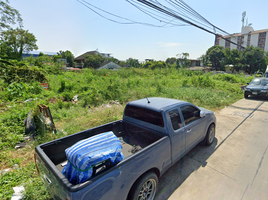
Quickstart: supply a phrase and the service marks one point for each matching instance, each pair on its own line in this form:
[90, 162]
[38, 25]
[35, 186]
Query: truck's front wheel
[145, 187]
[210, 135]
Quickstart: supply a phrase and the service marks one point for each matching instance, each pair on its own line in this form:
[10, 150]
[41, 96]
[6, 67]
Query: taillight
[36, 164]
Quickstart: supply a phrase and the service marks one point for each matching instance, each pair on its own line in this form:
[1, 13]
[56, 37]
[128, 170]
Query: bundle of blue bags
[87, 153]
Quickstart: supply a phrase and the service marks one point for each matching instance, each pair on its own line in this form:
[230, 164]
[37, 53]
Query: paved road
[234, 167]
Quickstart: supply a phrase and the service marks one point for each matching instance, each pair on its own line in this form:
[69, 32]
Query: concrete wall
[266, 42]
[233, 46]
[245, 41]
[222, 42]
[254, 40]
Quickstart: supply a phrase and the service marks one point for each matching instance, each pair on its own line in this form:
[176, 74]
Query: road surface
[235, 166]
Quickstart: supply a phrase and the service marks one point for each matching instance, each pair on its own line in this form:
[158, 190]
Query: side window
[190, 113]
[175, 119]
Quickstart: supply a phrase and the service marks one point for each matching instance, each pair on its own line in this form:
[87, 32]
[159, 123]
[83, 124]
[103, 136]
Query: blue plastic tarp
[83, 155]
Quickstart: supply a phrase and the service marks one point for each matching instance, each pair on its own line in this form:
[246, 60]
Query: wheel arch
[209, 124]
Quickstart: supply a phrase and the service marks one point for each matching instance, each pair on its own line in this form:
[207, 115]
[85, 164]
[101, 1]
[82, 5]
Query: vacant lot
[98, 93]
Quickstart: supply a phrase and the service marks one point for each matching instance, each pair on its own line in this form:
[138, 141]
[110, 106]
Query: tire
[210, 135]
[145, 188]
[245, 95]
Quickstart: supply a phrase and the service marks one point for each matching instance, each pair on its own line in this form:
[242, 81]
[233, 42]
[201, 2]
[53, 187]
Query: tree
[204, 59]
[56, 57]
[133, 63]
[155, 64]
[228, 56]
[19, 41]
[236, 60]
[254, 59]
[183, 60]
[112, 59]
[93, 61]
[68, 56]
[42, 60]
[232, 57]
[5, 50]
[215, 55]
[9, 16]
[171, 61]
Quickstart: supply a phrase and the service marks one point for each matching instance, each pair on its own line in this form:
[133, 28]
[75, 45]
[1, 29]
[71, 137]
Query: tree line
[16, 41]
[250, 59]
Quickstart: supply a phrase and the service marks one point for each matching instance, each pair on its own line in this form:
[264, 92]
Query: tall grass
[95, 88]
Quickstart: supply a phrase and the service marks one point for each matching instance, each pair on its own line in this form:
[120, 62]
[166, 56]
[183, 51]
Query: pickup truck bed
[133, 139]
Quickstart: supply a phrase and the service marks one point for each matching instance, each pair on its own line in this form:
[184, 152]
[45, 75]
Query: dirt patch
[52, 100]
[22, 157]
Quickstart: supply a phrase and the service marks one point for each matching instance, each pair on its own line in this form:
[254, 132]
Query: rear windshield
[145, 115]
[255, 82]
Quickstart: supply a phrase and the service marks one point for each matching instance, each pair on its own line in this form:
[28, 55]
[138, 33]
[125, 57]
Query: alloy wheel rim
[147, 191]
[211, 135]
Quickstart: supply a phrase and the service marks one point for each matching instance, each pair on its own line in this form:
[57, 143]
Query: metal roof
[38, 52]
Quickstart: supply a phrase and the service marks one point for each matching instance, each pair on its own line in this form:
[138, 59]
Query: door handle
[189, 130]
[47, 179]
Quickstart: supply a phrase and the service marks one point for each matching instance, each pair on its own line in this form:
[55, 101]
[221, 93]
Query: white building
[247, 37]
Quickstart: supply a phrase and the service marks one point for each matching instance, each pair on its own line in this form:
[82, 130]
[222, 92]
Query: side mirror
[202, 114]
[247, 83]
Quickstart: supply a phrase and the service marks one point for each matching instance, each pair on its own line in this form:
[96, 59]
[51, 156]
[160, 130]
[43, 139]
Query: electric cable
[160, 12]
[83, 2]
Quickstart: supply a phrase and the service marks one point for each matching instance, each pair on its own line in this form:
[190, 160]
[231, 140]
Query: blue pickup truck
[155, 133]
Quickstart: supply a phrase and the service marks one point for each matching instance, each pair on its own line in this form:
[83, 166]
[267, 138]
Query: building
[80, 60]
[194, 62]
[35, 54]
[247, 37]
[109, 65]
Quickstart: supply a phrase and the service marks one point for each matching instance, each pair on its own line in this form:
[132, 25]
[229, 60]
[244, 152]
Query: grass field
[94, 89]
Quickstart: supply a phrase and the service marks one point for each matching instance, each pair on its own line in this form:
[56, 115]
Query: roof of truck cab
[156, 103]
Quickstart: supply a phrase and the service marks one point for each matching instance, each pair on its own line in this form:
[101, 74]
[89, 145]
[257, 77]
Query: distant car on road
[257, 87]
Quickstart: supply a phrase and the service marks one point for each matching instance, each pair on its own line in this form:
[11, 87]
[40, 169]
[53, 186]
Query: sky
[69, 25]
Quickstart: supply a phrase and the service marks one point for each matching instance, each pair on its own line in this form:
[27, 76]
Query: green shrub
[62, 86]
[202, 81]
[16, 91]
[67, 96]
[184, 83]
[24, 73]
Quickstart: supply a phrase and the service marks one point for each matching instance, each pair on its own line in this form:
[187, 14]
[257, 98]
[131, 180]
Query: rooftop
[156, 103]
[251, 32]
[83, 56]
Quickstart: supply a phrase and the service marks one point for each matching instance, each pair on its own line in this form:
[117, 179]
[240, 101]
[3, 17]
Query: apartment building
[247, 37]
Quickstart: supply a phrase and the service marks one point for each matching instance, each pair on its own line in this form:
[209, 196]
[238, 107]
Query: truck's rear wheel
[145, 188]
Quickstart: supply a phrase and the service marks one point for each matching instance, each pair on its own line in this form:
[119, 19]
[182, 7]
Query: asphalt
[235, 166]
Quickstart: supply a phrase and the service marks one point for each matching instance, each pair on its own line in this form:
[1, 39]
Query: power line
[172, 11]
[160, 12]
[151, 13]
[90, 6]
[184, 20]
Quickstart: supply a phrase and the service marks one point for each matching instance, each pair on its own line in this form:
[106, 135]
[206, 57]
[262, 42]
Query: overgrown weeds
[95, 88]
